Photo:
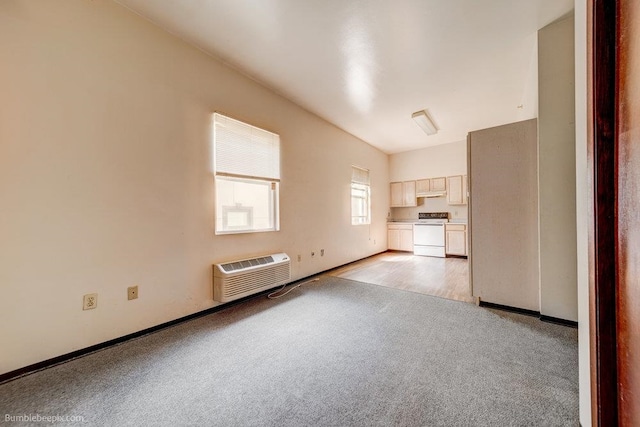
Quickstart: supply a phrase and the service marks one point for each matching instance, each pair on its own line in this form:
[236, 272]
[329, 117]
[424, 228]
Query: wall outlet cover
[89, 301]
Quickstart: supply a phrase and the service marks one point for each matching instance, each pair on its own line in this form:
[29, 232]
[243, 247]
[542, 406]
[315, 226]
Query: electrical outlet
[132, 292]
[90, 301]
[321, 252]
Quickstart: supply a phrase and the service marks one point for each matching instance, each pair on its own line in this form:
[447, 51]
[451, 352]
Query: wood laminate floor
[441, 277]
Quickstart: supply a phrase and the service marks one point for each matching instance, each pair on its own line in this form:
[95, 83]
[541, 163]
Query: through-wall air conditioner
[241, 278]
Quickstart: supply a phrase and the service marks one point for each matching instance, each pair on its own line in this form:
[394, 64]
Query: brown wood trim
[602, 239]
[628, 203]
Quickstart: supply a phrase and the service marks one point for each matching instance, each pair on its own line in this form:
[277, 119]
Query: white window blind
[245, 150]
[359, 175]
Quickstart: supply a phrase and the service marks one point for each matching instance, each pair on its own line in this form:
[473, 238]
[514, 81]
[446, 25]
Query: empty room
[304, 212]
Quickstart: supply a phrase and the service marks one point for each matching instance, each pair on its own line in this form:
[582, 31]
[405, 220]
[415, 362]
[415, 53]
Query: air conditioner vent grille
[238, 265]
[237, 279]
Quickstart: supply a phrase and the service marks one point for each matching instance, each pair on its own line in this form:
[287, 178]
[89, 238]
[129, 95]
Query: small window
[360, 196]
[247, 175]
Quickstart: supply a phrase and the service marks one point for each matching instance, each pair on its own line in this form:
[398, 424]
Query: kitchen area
[428, 201]
[440, 227]
[427, 229]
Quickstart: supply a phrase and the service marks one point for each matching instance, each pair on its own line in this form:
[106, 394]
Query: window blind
[359, 175]
[245, 150]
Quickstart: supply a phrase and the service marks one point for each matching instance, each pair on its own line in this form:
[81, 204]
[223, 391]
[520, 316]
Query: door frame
[602, 147]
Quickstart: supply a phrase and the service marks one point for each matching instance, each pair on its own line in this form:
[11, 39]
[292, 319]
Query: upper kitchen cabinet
[431, 187]
[403, 194]
[423, 186]
[457, 194]
[438, 184]
[397, 194]
[410, 193]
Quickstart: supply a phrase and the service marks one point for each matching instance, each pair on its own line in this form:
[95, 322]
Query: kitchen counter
[415, 221]
[458, 221]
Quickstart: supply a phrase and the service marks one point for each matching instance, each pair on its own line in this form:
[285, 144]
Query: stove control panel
[433, 215]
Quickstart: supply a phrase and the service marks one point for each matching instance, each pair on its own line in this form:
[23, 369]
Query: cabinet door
[454, 195]
[465, 190]
[438, 184]
[393, 240]
[406, 240]
[422, 186]
[456, 242]
[397, 194]
[410, 193]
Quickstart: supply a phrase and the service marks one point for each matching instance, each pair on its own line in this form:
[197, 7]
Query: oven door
[428, 234]
[428, 240]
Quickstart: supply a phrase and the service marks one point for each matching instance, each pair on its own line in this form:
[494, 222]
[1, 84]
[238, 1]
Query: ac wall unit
[237, 279]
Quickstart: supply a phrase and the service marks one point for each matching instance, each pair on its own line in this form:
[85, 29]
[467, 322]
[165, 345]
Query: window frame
[221, 211]
[360, 182]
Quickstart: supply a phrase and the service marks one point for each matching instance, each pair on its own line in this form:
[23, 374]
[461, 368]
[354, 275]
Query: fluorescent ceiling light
[424, 120]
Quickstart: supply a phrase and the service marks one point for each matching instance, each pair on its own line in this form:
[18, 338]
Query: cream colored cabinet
[438, 184]
[400, 237]
[410, 193]
[456, 239]
[457, 193]
[465, 189]
[428, 186]
[397, 194]
[403, 194]
[423, 186]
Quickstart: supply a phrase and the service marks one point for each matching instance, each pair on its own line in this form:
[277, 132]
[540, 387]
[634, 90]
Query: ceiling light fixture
[424, 120]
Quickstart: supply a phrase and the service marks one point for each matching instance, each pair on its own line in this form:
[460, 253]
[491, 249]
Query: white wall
[582, 209]
[106, 180]
[430, 162]
[556, 170]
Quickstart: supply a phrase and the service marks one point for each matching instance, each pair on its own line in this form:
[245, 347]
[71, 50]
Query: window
[247, 174]
[360, 196]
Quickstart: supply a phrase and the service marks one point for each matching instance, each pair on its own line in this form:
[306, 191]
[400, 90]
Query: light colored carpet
[331, 353]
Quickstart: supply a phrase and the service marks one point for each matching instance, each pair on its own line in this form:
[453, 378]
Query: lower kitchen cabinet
[400, 237]
[456, 239]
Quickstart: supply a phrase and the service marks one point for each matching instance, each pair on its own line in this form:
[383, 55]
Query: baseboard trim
[558, 321]
[533, 313]
[510, 309]
[328, 270]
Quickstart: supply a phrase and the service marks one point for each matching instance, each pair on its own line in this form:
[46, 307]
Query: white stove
[428, 234]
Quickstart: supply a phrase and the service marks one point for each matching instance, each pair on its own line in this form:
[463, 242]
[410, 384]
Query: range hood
[432, 194]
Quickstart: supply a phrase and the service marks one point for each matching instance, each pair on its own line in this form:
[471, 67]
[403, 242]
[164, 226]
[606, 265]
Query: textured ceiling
[367, 65]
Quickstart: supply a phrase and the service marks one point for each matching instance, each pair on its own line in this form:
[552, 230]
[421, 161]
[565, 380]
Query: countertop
[458, 221]
[415, 221]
